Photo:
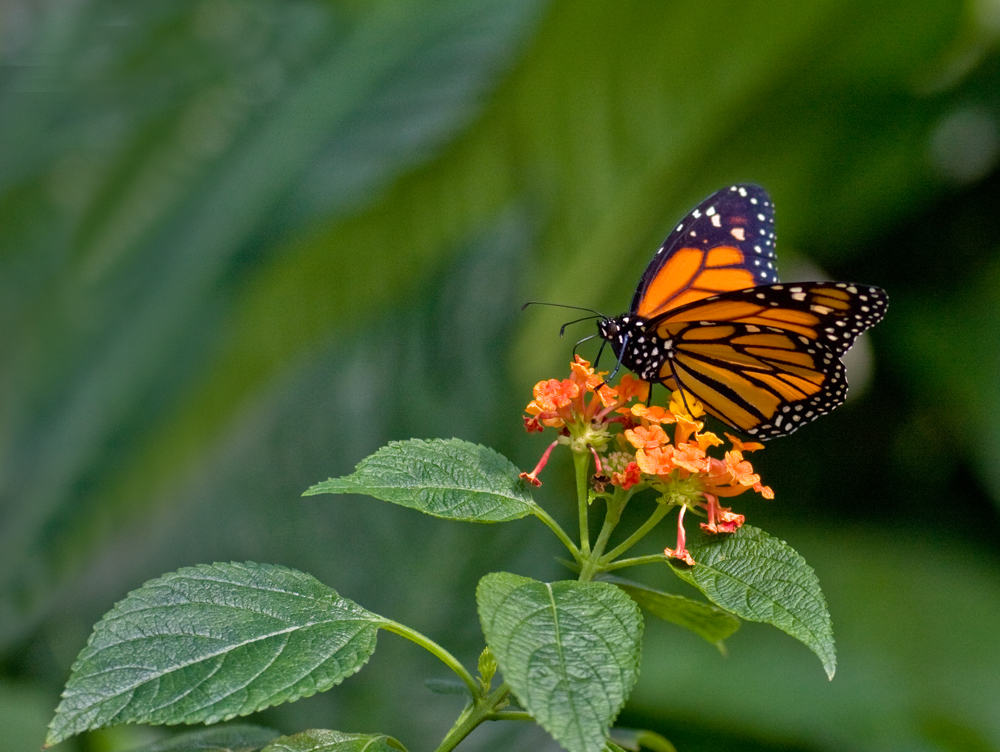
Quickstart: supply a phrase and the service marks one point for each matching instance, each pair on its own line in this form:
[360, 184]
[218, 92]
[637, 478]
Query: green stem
[581, 461]
[658, 514]
[447, 658]
[560, 533]
[484, 709]
[512, 715]
[593, 562]
[622, 563]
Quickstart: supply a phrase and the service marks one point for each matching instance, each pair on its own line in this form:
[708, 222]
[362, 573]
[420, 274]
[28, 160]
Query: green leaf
[239, 737]
[760, 578]
[707, 621]
[569, 651]
[211, 642]
[322, 740]
[446, 478]
[636, 739]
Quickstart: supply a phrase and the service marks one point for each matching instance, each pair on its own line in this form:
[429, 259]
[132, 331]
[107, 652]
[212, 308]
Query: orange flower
[691, 458]
[685, 404]
[656, 460]
[744, 446]
[585, 410]
[630, 477]
[579, 408]
[680, 552]
[720, 519]
[652, 413]
[646, 437]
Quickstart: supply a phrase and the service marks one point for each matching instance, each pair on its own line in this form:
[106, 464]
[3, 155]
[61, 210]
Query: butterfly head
[634, 345]
[614, 332]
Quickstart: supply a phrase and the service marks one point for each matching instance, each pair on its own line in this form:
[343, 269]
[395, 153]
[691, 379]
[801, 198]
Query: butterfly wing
[725, 243]
[767, 360]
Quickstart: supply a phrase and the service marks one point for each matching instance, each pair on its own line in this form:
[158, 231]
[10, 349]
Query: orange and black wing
[767, 360]
[725, 243]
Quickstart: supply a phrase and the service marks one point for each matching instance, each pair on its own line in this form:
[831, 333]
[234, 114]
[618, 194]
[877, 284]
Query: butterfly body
[711, 319]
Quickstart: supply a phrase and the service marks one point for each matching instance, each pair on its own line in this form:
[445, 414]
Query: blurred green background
[244, 243]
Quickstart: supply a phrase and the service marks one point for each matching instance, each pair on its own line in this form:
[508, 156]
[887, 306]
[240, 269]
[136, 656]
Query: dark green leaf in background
[443, 477]
[636, 739]
[707, 621]
[760, 578]
[569, 650]
[237, 737]
[219, 132]
[207, 643]
[322, 740]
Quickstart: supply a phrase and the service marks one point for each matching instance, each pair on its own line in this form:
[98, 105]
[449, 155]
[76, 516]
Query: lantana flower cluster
[637, 446]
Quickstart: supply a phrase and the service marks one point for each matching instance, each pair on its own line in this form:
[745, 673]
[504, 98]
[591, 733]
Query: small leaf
[208, 643]
[322, 740]
[707, 621]
[487, 668]
[760, 578]
[637, 739]
[235, 738]
[446, 478]
[569, 651]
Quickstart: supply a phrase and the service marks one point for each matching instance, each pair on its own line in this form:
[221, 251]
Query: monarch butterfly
[710, 318]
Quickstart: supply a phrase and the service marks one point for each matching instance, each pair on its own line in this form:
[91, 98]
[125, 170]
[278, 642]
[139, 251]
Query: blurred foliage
[243, 243]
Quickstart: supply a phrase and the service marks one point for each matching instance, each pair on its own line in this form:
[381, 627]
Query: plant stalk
[483, 709]
[581, 462]
[658, 514]
[560, 533]
[432, 647]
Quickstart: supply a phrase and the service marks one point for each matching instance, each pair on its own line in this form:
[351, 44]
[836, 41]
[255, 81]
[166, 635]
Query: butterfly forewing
[725, 243]
[834, 313]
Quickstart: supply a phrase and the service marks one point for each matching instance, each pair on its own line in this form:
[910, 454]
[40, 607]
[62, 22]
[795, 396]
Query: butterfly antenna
[599, 351]
[617, 365]
[562, 329]
[563, 305]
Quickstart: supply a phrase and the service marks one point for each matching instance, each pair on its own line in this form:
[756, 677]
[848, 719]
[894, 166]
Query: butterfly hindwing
[763, 381]
[725, 243]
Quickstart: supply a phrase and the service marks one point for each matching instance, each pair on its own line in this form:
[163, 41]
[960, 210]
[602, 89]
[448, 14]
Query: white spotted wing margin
[208, 643]
[746, 398]
[741, 215]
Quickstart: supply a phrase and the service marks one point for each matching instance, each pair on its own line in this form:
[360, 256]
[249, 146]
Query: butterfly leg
[680, 387]
[585, 339]
[617, 365]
